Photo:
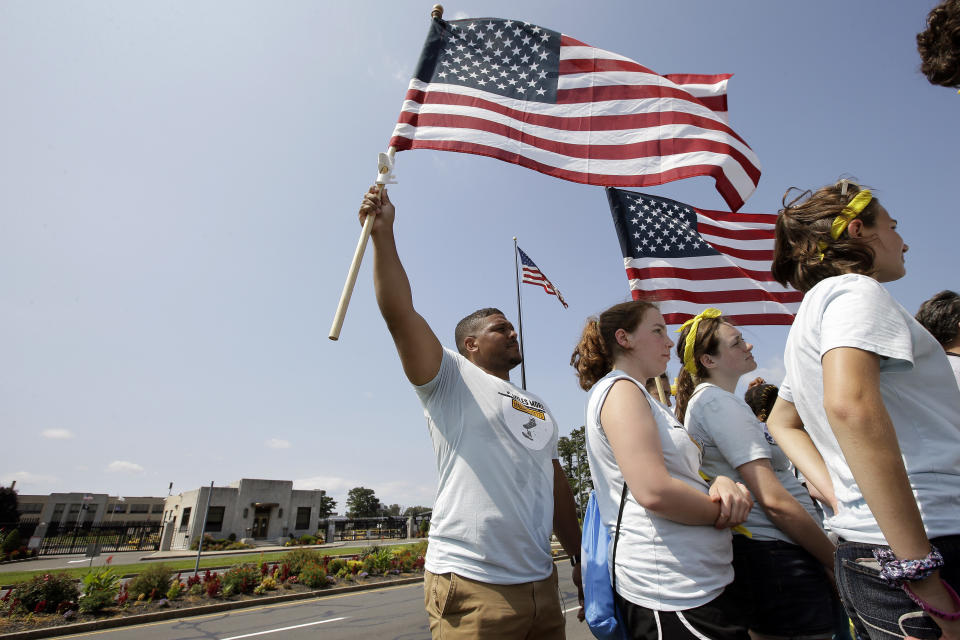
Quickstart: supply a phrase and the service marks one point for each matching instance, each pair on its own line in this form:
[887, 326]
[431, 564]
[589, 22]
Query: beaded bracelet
[895, 572]
[933, 611]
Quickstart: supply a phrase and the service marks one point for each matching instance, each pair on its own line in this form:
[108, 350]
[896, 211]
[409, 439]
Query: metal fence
[109, 538]
[369, 529]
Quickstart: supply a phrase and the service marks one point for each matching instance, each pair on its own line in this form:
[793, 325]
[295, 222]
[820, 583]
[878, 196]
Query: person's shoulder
[846, 283]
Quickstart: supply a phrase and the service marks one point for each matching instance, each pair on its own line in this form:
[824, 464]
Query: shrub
[196, 589]
[379, 561]
[11, 542]
[151, 582]
[269, 584]
[232, 537]
[211, 585]
[298, 558]
[242, 578]
[100, 587]
[46, 592]
[313, 575]
[307, 539]
[354, 566]
[335, 565]
[175, 590]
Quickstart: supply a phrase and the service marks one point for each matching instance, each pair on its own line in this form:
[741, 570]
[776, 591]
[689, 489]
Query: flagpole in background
[384, 176]
[523, 361]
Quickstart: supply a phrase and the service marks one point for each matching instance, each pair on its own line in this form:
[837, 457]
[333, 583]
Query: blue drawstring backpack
[601, 611]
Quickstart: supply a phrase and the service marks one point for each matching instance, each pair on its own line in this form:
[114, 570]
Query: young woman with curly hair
[673, 556]
[870, 399]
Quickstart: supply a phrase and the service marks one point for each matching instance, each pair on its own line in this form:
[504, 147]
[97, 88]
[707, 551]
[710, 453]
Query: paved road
[393, 613]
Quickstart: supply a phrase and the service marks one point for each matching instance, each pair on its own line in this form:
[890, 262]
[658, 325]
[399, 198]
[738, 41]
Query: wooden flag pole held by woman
[384, 177]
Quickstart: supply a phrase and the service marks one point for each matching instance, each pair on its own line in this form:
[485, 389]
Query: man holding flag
[489, 570]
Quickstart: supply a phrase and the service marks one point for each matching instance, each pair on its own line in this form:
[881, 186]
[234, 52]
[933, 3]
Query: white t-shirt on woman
[661, 564]
[732, 436]
[917, 387]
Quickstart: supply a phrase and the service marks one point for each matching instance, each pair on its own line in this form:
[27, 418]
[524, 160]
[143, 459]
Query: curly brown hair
[939, 45]
[706, 342]
[593, 356]
[761, 399]
[804, 223]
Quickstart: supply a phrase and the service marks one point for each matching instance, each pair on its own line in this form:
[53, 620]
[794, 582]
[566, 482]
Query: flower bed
[29, 605]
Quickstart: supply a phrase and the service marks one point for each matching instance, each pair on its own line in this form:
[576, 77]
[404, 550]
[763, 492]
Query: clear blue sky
[178, 196]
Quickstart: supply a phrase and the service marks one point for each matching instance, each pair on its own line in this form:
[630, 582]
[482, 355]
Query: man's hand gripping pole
[385, 176]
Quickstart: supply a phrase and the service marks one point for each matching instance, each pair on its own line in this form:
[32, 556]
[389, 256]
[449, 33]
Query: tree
[415, 511]
[573, 459]
[391, 510]
[362, 503]
[9, 514]
[327, 505]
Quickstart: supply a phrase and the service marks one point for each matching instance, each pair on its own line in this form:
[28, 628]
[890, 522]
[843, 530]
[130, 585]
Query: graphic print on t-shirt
[527, 420]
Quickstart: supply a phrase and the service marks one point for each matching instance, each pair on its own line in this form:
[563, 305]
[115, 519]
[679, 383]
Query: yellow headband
[854, 208]
[694, 323]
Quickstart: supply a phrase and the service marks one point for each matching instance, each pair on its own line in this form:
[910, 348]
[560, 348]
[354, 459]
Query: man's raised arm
[419, 349]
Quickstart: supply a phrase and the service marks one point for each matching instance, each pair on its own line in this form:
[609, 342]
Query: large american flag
[534, 97]
[533, 275]
[690, 258]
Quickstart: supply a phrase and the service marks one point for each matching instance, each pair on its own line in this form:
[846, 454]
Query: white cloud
[122, 466]
[57, 434]
[331, 484]
[29, 479]
[277, 443]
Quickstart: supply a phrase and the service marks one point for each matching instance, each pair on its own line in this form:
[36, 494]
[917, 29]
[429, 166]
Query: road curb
[189, 612]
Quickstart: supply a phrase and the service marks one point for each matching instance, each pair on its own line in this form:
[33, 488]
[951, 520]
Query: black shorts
[782, 590]
[716, 620]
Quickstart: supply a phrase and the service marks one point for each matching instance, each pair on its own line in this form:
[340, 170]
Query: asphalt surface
[392, 613]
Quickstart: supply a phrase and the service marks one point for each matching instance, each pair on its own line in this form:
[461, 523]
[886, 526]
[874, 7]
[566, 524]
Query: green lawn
[9, 578]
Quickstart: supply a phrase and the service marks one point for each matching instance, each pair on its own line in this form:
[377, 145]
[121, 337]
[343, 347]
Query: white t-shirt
[732, 436]
[954, 361]
[661, 564]
[495, 445]
[917, 387]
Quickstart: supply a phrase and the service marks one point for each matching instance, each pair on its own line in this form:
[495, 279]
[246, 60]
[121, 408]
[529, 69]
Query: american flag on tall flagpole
[533, 275]
[534, 97]
[688, 259]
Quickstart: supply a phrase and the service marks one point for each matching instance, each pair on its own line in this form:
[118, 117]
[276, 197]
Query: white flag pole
[384, 176]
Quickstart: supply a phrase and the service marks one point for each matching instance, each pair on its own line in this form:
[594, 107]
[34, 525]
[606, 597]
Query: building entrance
[261, 522]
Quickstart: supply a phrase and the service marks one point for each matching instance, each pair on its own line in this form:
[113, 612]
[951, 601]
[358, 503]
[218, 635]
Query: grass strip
[206, 562]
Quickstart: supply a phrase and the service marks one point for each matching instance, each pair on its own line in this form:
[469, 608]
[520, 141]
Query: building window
[157, 508]
[30, 507]
[118, 507]
[139, 508]
[185, 519]
[303, 518]
[215, 519]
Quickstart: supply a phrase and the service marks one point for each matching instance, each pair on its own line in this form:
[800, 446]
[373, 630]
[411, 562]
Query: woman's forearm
[675, 500]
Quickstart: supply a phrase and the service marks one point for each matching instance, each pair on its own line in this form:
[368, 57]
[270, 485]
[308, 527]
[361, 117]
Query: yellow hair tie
[854, 208]
[673, 387]
[694, 323]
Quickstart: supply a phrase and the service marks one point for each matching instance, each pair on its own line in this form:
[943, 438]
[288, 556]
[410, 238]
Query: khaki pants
[462, 608]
